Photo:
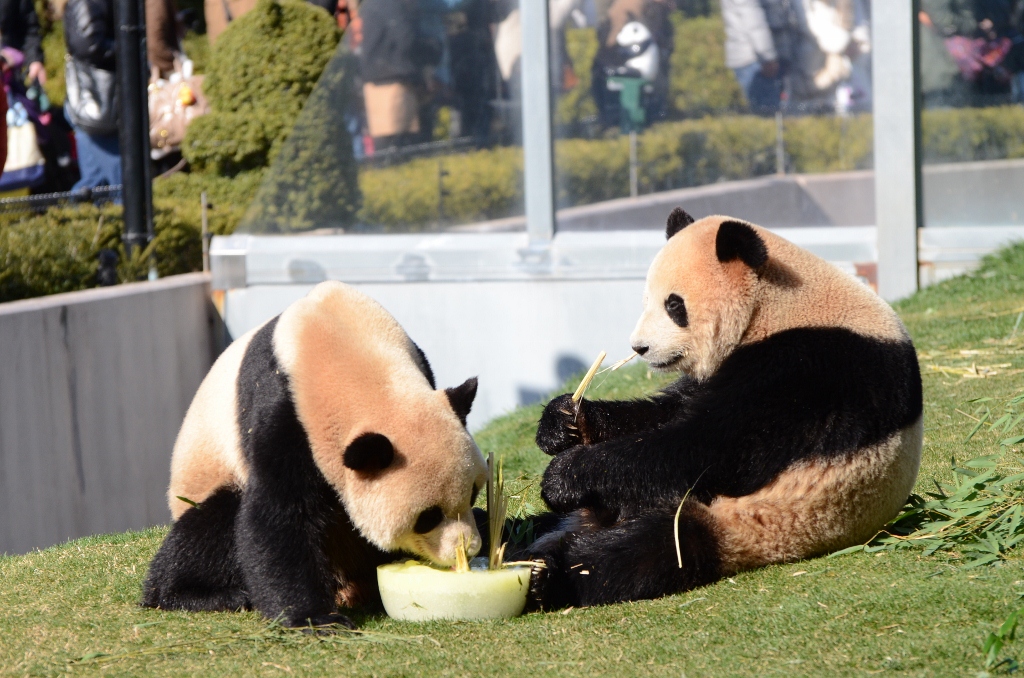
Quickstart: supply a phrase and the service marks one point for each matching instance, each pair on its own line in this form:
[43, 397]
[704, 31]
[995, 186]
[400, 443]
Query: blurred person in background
[473, 68]
[1002, 47]
[750, 53]
[90, 37]
[163, 36]
[19, 28]
[394, 54]
[942, 21]
[831, 71]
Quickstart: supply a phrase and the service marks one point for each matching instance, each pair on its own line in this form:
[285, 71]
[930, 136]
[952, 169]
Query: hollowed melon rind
[412, 591]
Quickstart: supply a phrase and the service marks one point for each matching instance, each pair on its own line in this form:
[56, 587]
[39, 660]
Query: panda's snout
[456, 533]
[640, 349]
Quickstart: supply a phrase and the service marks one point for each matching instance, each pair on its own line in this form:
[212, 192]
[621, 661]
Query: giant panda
[794, 429]
[315, 449]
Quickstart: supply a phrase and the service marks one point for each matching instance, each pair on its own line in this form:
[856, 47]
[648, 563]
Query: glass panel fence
[415, 125]
[972, 122]
[756, 108]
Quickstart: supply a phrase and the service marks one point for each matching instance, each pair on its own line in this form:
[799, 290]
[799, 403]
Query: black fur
[425, 365]
[600, 560]
[800, 394]
[675, 307]
[428, 520]
[736, 240]
[462, 397]
[677, 221]
[287, 506]
[197, 568]
[369, 453]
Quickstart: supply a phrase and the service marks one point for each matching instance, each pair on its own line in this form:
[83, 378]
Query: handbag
[25, 166]
[173, 104]
[91, 101]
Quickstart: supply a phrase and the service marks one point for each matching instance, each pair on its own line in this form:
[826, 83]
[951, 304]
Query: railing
[39, 203]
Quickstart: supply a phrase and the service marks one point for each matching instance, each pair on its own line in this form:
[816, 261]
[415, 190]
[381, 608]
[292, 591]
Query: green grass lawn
[72, 608]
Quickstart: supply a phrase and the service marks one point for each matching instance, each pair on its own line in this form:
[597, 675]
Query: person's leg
[110, 159]
[99, 160]
[764, 94]
[88, 165]
[745, 77]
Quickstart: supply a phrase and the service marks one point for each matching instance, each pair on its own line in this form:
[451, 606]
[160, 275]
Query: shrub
[55, 252]
[578, 104]
[178, 197]
[58, 251]
[261, 71]
[313, 182]
[952, 135]
[488, 184]
[699, 81]
[479, 185]
[53, 56]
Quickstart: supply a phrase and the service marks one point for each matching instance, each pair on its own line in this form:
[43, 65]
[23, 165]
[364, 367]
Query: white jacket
[747, 36]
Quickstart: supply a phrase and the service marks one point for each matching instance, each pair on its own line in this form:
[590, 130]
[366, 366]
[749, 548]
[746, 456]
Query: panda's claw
[559, 426]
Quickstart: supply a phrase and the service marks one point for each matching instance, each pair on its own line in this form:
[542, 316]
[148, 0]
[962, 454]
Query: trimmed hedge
[699, 81]
[313, 182]
[58, 251]
[488, 184]
[259, 75]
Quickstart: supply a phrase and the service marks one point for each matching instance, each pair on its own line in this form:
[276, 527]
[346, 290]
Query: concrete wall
[93, 388]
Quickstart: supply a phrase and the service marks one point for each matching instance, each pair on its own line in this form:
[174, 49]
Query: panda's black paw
[539, 596]
[560, 426]
[561, 488]
[324, 624]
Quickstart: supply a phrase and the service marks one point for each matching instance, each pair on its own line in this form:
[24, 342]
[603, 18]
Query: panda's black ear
[369, 453]
[737, 240]
[461, 398]
[677, 221]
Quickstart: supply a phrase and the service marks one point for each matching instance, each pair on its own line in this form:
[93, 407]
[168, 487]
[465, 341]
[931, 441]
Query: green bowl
[412, 591]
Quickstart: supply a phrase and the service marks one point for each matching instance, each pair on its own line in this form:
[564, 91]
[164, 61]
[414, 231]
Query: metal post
[780, 144]
[206, 232]
[132, 75]
[634, 172]
[897, 122]
[535, 64]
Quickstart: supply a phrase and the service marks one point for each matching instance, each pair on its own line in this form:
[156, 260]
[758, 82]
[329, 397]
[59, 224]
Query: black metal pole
[133, 79]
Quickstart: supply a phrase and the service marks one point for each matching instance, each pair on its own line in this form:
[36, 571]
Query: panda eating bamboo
[794, 430]
[316, 448]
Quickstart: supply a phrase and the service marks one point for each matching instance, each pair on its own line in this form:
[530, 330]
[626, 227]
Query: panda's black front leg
[281, 542]
[566, 424]
[634, 559]
[632, 471]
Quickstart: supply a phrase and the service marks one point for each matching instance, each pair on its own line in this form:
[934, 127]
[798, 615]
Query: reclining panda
[794, 430]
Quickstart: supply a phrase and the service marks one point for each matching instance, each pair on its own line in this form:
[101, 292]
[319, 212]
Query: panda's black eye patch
[428, 520]
[676, 309]
[369, 453]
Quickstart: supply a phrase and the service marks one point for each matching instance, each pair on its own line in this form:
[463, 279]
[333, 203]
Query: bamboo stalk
[589, 377]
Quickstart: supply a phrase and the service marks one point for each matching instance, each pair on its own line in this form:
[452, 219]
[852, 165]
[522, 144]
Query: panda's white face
[659, 337]
[696, 308]
[422, 501]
